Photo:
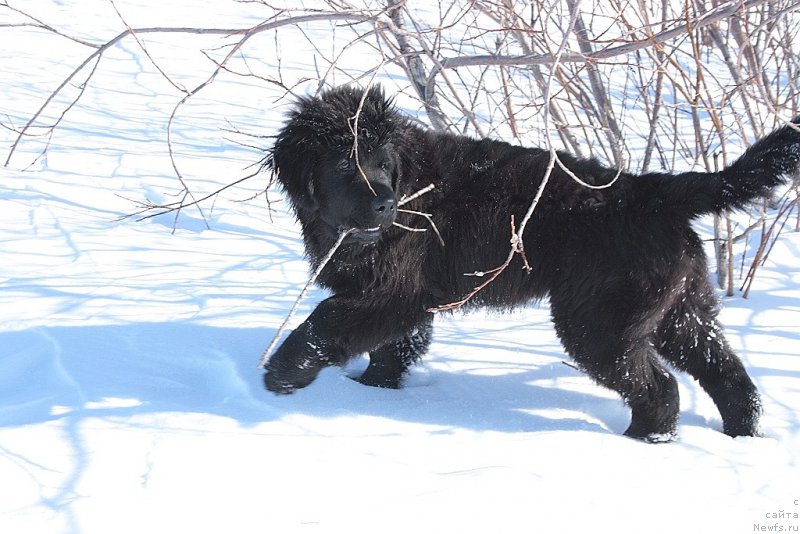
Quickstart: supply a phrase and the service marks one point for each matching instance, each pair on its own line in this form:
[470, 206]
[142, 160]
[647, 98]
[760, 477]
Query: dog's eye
[346, 165]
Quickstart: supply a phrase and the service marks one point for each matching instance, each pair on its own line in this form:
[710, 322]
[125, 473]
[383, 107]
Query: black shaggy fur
[625, 272]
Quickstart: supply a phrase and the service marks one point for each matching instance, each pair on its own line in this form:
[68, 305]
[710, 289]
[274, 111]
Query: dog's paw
[296, 363]
[284, 377]
[374, 381]
[278, 385]
[665, 437]
[649, 431]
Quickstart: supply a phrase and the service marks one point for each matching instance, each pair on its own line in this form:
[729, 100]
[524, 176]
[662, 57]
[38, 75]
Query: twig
[178, 205]
[428, 217]
[762, 252]
[412, 63]
[516, 248]
[605, 114]
[37, 23]
[101, 49]
[144, 50]
[51, 129]
[710, 17]
[427, 189]
[352, 123]
[789, 206]
[311, 280]
[405, 200]
[408, 228]
[494, 274]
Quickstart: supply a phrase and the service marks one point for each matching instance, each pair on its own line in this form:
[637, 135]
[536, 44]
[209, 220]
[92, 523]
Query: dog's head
[338, 159]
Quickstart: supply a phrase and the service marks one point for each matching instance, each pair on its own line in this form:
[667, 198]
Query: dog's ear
[294, 169]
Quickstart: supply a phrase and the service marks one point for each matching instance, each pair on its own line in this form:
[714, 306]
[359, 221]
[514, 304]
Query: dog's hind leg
[601, 338]
[691, 339]
[389, 362]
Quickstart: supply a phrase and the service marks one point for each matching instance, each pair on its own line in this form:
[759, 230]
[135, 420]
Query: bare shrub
[640, 85]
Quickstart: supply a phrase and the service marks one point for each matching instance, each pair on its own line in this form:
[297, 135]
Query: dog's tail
[767, 163]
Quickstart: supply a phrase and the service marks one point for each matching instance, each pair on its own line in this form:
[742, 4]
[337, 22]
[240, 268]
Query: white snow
[129, 398]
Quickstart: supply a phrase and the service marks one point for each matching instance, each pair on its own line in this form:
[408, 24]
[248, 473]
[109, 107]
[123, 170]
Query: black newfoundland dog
[624, 270]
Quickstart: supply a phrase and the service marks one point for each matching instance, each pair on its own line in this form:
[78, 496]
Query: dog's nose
[383, 207]
[383, 204]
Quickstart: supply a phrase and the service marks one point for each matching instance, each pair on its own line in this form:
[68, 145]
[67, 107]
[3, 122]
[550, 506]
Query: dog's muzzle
[383, 210]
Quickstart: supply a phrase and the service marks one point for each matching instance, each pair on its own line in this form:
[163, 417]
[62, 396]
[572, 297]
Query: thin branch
[51, 128]
[760, 256]
[710, 17]
[352, 123]
[424, 191]
[265, 357]
[428, 217]
[101, 49]
[604, 114]
[144, 49]
[178, 205]
[37, 23]
[412, 63]
[408, 228]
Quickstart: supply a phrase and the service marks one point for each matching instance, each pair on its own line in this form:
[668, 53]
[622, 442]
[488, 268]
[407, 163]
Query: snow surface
[129, 398]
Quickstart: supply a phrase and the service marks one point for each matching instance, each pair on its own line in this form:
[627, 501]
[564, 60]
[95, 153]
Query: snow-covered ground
[129, 398]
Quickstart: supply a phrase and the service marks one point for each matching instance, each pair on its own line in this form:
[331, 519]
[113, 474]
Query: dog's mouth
[364, 235]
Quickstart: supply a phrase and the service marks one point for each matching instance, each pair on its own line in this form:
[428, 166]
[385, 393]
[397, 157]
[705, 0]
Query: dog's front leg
[298, 360]
[338, 329]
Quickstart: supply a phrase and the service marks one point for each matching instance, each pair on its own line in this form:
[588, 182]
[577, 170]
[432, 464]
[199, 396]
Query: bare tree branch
[246, 32]
[714, 15]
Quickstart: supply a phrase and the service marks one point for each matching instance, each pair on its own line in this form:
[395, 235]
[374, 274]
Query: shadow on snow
[95, 371]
